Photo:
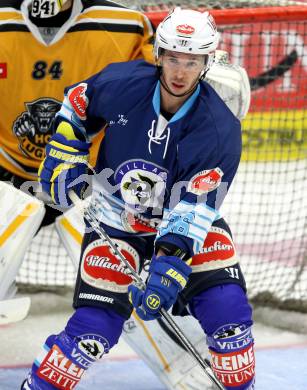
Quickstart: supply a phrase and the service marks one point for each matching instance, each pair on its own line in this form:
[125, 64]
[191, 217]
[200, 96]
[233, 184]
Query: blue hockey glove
[168, 275]
[66, 160]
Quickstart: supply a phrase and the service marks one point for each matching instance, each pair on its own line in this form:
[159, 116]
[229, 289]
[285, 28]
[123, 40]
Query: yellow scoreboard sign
[275, 136]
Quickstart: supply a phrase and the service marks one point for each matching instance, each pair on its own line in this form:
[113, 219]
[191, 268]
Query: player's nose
[180, 72]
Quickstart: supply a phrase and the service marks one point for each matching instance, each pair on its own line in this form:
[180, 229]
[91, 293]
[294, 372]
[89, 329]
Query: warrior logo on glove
[153, 301]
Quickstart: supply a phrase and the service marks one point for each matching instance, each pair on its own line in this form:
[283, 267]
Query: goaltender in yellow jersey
[40, 56]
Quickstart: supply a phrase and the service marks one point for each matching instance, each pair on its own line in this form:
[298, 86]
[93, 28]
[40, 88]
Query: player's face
[181, 71]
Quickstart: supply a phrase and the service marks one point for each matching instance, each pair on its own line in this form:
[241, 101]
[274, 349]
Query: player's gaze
[176, 61]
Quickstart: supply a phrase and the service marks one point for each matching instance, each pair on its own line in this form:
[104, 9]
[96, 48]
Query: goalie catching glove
[168, 275]
[65, 162]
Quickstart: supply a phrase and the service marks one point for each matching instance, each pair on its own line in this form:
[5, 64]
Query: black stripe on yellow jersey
[107, 27]
[13, 27]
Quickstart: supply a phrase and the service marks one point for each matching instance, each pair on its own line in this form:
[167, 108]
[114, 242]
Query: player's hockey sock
[226, 317]
[89, 334]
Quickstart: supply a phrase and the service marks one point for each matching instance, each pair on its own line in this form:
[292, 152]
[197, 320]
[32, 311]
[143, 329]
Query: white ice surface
[281, 356]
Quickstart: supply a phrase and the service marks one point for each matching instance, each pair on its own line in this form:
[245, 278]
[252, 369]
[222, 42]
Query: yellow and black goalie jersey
[33, 74]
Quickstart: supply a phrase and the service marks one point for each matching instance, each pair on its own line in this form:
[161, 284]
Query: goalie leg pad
[226, 317]
[89, 334]
[20, 216]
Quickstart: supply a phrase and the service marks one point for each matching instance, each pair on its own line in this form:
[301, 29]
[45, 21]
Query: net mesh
[266, 206]
[151, 6]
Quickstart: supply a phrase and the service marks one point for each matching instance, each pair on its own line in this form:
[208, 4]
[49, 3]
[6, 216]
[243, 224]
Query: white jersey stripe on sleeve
[189, 220]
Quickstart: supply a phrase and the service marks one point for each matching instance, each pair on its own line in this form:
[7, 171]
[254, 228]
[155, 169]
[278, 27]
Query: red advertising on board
[275, 57]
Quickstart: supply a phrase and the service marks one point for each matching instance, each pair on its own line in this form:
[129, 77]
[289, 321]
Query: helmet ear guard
[46, 8]
[208, 63]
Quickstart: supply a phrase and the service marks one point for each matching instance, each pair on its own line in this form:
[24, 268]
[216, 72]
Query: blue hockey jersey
[153, 174]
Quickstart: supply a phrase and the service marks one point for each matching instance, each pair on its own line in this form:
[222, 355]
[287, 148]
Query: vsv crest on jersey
[142, 184]
[205, 181]
[34, 126]
[101, 269]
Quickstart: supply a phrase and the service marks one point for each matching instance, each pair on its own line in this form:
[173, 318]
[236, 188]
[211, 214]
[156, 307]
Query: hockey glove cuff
[64, 168]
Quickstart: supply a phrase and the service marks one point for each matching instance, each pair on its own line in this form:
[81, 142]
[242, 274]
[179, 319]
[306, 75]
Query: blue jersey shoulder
[124, 83]
[124, 72]
[117, 90]
[226, 125]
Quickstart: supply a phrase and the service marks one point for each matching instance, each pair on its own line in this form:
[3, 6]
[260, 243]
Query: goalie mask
[190, 32]
[46, 8]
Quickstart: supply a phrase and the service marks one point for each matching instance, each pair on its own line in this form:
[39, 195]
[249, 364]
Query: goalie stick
[91, 219]
[14, 310]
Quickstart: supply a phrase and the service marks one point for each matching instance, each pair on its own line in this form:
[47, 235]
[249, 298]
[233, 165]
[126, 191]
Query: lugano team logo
[100, 268]
[79, 100]
[205, 181]
[33, 127]
[142, 184]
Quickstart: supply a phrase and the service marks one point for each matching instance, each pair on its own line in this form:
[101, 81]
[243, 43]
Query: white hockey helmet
[47, 8]
[188, 31]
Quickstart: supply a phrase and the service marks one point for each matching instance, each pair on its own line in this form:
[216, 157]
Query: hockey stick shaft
[94, 223]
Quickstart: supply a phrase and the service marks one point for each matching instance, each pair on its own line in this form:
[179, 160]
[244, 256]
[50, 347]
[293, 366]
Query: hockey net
[267, 205]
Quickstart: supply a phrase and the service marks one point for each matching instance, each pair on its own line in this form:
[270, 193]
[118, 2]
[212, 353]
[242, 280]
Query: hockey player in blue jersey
[170, 152]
